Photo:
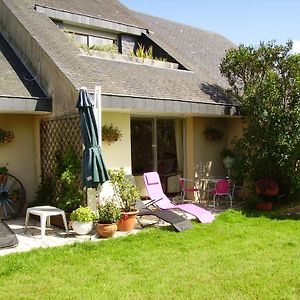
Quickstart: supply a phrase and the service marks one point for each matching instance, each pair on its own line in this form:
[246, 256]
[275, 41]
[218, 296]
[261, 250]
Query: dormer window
[92, 41]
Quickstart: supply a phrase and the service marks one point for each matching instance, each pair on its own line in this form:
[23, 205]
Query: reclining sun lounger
[160, 200]
[178, 222]
[7, 236]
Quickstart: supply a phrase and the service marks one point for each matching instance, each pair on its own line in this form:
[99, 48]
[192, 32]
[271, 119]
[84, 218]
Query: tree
[266, 80]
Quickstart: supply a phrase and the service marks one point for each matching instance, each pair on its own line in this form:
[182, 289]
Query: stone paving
[57, 237]
[54, 236]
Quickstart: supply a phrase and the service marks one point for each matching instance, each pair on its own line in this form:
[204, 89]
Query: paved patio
[54, 236]
[57, 237]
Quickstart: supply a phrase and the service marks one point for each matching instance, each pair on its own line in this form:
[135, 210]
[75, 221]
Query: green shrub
[46, 192]
[69, 194]
[108, 213]
[124, 189]
[266, 82]
[3, 170]
[82, 214]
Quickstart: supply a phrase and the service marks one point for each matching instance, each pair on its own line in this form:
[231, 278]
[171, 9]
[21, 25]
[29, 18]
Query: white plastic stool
[45, 212]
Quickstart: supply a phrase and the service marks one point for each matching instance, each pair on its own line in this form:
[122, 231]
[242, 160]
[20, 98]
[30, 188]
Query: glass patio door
[142, 148]
[156, 145]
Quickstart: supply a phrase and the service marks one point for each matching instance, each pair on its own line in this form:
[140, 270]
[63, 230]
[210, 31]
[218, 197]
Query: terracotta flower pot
[106, 230]
[127, 221]
[2, 177]
[267, 187]
[264, 206]
[267, 192]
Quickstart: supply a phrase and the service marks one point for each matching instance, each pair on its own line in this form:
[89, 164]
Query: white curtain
[179, 144]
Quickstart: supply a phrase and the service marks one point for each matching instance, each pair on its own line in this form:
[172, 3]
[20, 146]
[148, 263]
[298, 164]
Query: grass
[236, 257]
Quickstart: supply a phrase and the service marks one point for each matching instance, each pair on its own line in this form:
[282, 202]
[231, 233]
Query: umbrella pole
[97, 112]
[86, 196]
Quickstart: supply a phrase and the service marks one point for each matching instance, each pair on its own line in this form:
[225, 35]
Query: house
[50, 48]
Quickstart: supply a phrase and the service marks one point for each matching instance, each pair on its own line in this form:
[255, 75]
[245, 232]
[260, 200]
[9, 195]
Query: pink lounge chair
[158, 197]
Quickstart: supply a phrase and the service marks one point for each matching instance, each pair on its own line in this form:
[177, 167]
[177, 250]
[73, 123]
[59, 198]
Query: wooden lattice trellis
[58, 135]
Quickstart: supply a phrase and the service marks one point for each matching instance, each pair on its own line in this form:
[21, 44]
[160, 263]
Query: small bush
[82, 214]
[108, 213]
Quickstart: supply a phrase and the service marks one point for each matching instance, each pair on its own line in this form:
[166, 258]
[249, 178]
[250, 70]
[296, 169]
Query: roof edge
[170, 99]
[81, 18]
[26, 105]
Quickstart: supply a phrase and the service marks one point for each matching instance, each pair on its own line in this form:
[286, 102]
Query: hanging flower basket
[6, 136]
[213, 134]
[111, 133]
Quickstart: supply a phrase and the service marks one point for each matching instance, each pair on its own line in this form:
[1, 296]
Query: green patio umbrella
[94, 170]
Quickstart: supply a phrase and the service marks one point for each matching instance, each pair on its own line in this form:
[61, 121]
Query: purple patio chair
[160, 200]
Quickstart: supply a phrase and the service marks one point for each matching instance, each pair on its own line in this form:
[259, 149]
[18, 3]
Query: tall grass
[236, 257]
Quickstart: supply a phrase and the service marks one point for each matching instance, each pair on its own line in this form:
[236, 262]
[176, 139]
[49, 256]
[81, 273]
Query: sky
[242, 21]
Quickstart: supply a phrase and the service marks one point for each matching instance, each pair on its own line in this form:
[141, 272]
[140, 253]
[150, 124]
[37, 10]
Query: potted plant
[14, 194]
[127, 194]
[108, 215]
[3, 172]
[82, 220]
[111, 133]
[213, 134]
[266, 187]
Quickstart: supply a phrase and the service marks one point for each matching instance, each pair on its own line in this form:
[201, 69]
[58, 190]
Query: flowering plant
[111, 133]
[6, 136]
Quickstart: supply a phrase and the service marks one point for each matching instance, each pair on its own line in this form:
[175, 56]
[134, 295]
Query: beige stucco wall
[203, 156]
[118, 154]
[234, 129]
[22, 154]
[207, 160]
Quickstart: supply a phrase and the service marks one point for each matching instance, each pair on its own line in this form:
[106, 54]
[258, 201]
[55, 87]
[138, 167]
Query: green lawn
[236, 257]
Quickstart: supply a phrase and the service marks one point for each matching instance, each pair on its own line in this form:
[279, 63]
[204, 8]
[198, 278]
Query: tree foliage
[266, 80]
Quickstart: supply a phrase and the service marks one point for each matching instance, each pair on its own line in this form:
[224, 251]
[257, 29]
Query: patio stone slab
[57, 237]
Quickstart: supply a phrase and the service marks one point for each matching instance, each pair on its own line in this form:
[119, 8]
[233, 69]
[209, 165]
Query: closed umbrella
[94, 170]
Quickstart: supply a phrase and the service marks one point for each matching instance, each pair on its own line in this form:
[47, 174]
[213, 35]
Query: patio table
[205, 184]
[44, 212]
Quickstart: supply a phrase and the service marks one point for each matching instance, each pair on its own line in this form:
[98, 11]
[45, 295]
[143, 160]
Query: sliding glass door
[156, 145]
[142, 150]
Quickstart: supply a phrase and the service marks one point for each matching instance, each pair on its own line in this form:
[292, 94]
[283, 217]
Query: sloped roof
[111, 10]
[17, 87]
[128, 79]
[200, 51]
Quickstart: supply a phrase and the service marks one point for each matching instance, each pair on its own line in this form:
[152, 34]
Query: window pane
[167, 154]
[98, 41]
[141, 146]
[80, 39]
